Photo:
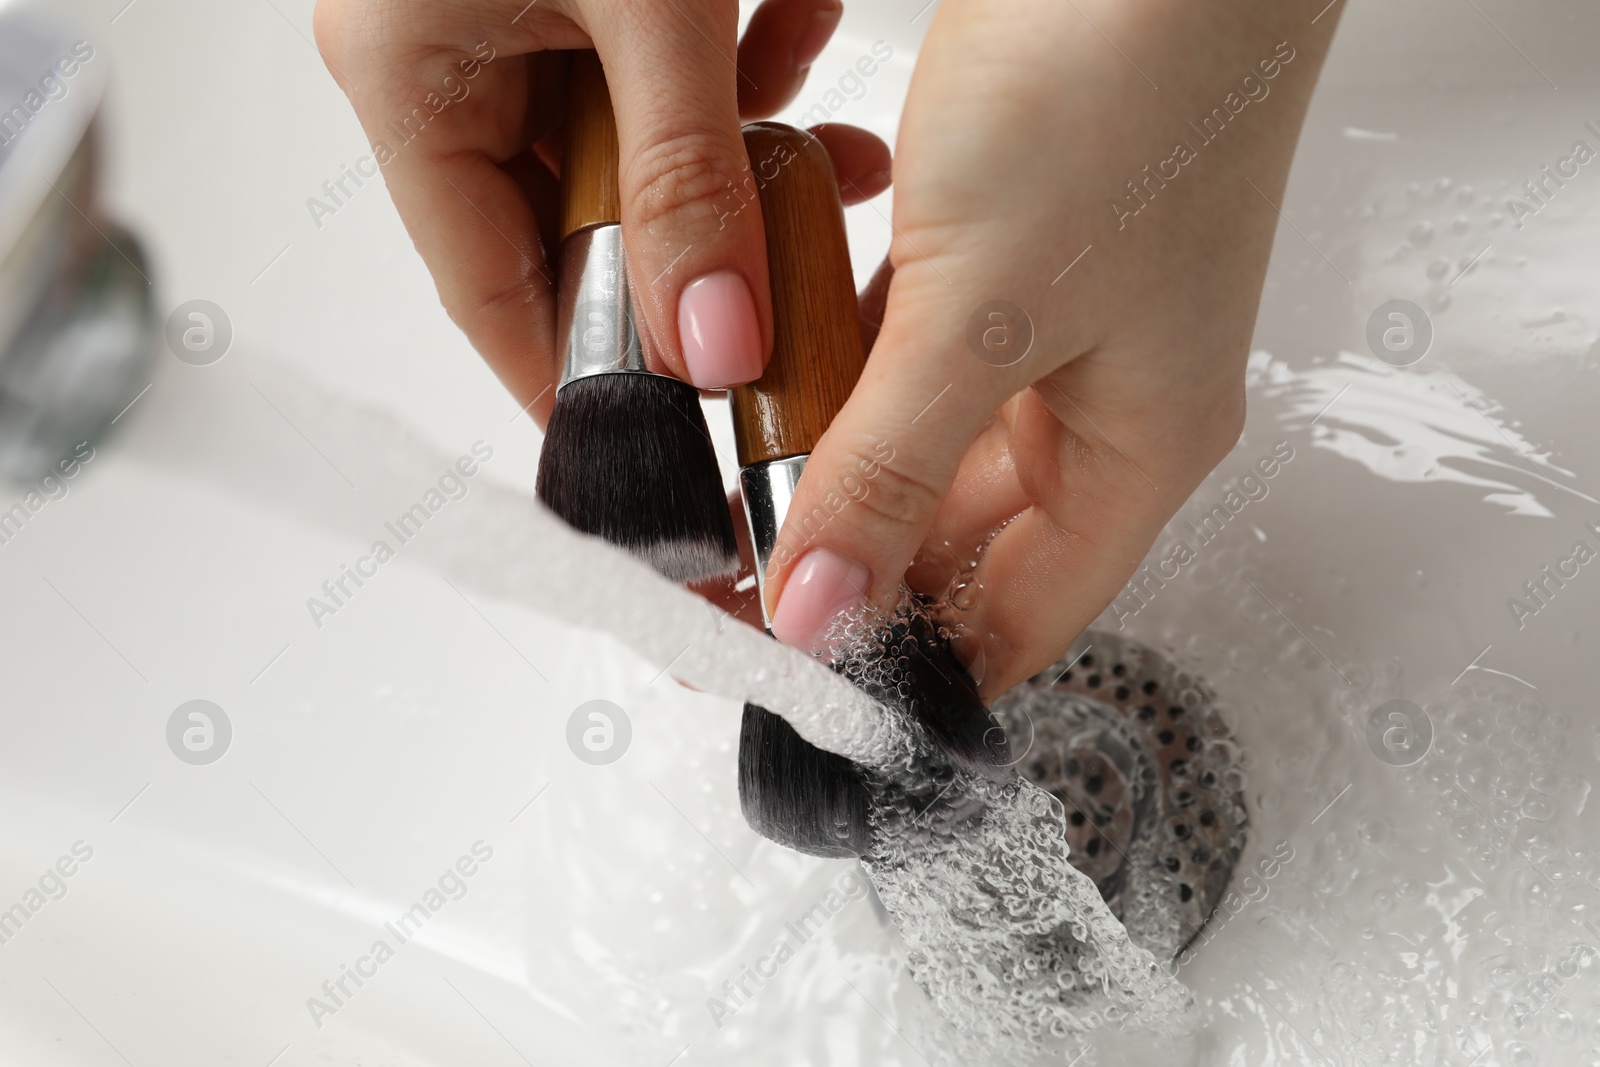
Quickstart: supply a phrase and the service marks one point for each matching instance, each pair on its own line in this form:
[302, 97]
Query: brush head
[814, 801]
[930, 687]
[797, 794]
[628, 458]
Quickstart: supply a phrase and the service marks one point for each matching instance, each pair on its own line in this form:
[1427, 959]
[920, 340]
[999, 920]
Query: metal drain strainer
[1150, 778]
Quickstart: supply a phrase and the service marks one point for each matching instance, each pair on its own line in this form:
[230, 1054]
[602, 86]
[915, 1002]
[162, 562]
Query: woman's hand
[460, 99]
[1040, 165]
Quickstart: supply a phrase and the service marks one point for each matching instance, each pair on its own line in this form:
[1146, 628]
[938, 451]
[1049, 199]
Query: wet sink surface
[372, 749]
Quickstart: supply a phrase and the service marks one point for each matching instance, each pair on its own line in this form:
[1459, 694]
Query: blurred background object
[76, 311]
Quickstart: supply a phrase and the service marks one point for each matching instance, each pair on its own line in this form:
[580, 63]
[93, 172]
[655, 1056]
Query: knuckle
[330, 26]
[346, 38]
[514, 303]
[360, 38]
[1221, 432]
[511, 328]
[897, 496]
[683, 183]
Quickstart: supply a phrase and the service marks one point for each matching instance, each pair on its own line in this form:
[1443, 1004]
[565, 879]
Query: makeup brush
[790, 791]
[627, 456]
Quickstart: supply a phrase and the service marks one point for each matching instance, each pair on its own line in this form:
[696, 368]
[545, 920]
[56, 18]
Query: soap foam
[1013, 945]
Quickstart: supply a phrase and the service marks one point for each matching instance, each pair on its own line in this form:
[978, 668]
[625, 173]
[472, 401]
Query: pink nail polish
[718, 329]
[822, 586]
[816, 36]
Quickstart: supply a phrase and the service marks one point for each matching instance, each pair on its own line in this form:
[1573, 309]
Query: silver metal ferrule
[595, 325]
[768, 489]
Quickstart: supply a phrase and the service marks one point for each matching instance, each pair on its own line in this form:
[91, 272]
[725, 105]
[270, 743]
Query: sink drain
[1149, 776]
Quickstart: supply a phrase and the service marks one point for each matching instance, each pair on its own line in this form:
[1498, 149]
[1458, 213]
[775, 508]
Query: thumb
[690, 219]
[875, 482]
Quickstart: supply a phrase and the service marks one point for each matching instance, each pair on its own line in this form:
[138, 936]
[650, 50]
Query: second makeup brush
[791, 791]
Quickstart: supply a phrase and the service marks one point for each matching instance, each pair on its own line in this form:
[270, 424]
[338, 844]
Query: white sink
[368, 754]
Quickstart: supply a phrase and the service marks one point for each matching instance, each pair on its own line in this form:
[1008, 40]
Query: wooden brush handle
[589, 154]
[816, 347]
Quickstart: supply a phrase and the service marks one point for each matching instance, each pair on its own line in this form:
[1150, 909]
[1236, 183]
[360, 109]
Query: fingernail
[816, 36]
[719, 332]
[822, 586]
[874, 182]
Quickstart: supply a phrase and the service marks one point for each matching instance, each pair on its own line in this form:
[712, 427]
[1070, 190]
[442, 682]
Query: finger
[782, 40]
[689, 214]
[984, 496]
[920, 402]
[547, 95]
[872, 301]
[439, 131]
[861, 160]
[1097, 503]
[542, 189]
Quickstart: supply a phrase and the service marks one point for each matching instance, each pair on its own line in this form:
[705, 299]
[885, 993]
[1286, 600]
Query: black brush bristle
[627, 457]
[815, 801]
[799, 795]
[939, 694]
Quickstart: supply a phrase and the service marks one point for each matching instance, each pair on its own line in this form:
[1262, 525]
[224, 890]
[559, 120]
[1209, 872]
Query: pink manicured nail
[822, 586]
[816, 36]
[719, 332]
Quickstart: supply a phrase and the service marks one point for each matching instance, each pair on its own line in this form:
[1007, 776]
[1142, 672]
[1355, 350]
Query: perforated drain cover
[1150, 777]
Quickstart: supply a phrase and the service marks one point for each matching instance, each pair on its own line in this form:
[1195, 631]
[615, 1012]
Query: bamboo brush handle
[816, 349]
[589, 153]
